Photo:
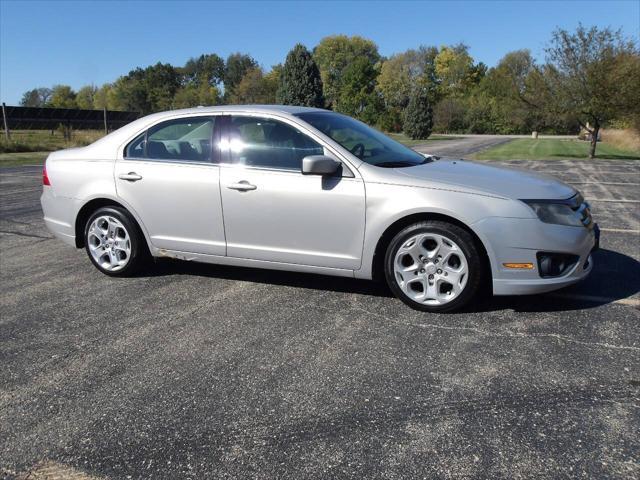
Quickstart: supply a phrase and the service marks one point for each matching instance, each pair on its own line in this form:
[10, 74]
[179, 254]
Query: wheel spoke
[431, 292]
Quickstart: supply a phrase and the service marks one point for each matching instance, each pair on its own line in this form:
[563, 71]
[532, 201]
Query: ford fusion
[309, 190]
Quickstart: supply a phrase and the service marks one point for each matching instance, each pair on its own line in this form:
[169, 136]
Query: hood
[489, 179]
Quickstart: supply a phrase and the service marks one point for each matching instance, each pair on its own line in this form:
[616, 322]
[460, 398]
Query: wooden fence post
[106, 129]
[7, 133]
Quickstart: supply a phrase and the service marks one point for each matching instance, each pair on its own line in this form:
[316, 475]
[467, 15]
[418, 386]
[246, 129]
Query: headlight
[558, 213]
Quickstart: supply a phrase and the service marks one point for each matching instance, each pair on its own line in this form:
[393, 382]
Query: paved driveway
[197, 371]
[462, 146]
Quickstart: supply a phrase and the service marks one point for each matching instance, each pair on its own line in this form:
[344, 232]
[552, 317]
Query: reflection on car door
[169, 176]
[273, 212]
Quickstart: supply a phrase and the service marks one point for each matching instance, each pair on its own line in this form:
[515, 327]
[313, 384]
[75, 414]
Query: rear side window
[185, 139]
[264, 142]
[136, 148]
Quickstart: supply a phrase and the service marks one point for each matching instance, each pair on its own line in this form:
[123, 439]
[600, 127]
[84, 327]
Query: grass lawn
[402, 138]
[22, 158]
[552, 149]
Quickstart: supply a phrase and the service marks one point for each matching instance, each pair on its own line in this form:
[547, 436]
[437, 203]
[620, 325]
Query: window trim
[214, 154]
[226, 160]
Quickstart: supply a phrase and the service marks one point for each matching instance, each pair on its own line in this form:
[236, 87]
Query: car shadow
[598, 289]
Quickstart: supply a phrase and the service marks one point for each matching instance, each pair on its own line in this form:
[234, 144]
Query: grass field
[45, 141]
[22, 158]
[552, 149]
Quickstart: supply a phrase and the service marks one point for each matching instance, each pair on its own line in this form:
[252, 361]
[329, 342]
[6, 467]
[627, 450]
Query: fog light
[555, 264]
[520, 266]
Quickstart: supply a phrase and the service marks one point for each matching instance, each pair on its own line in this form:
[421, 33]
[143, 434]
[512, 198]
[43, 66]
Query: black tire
[139, 253]
[475, 261]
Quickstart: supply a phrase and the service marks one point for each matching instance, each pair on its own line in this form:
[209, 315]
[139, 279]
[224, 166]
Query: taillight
[45, 177]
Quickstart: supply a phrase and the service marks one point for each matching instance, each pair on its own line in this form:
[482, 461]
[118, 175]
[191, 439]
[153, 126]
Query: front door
[273, 212]
[169, 176]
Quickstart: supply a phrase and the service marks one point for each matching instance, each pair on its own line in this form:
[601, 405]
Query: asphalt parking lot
[200, 371]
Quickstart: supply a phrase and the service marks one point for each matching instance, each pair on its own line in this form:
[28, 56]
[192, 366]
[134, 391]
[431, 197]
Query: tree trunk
[594, 140]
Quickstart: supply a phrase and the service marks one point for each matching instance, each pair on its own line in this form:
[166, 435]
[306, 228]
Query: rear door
[169, 175]
[273, 212]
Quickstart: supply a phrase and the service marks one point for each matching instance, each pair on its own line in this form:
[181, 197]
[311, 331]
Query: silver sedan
[310, 190]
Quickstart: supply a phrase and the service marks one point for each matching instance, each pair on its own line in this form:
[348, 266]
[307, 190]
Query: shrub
[626, 139]
[418, 120]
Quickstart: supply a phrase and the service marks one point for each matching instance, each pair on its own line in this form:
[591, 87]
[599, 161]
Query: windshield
[364, 142]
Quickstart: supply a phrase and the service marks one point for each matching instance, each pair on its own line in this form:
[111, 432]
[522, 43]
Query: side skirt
[245, 262]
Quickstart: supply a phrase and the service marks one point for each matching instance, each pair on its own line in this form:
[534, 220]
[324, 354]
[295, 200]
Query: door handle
[242, 186]
[130, 177]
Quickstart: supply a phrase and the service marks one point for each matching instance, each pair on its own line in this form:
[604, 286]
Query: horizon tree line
[588, 80]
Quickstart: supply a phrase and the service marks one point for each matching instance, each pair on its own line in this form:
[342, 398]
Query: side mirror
[319, 165]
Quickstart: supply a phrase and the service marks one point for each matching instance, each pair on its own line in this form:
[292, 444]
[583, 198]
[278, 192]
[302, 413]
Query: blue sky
[77, 43]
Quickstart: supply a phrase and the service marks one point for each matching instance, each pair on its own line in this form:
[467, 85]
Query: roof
[289, 109]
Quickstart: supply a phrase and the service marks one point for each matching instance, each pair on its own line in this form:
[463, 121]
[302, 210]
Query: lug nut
[430, 277]
[422, 270]
[439, 271]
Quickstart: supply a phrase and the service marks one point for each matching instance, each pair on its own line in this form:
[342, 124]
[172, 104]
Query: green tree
[193, 95]
[358, 97]
[418, 120]
[62, 96]
[207, 69]
[456, 71]
[237, 65]
[254, 88]
[399, 74]
[300, 82]
[37, 97]
[449, 115]
[101, 97]
[334, 54]
[593, 75]
[147, 90]
[85, 97]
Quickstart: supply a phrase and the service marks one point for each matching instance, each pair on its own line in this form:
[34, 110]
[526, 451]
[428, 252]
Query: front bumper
[514, 240]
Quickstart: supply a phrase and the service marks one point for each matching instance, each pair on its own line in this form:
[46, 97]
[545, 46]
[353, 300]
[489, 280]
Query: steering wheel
[358, 150]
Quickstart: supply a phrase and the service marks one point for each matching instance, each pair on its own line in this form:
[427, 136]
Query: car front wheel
[114, 242]
[434, 266]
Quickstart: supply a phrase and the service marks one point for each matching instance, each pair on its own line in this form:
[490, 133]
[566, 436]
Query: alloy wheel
[109, 243]
[431, 269]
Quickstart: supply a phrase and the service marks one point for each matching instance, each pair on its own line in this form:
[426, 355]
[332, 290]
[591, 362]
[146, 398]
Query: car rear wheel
[114, 242]
[434, 266]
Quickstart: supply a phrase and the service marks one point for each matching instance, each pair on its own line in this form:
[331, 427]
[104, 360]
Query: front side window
[186, 139]
[364, 142]
[264, 142]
